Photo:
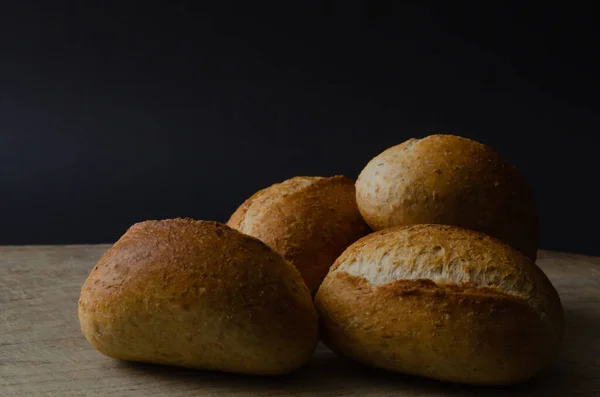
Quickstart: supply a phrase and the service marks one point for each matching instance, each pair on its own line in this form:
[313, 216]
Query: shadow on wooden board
[326, 373]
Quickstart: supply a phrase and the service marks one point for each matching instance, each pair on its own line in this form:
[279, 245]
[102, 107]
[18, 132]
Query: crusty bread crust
[308, 220]
[198, 294]
[446, 179]
[441, 302]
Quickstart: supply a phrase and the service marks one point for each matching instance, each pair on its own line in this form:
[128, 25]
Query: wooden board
[42, 352]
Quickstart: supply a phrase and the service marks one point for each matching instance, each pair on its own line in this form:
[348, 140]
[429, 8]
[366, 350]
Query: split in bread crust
[441, 302]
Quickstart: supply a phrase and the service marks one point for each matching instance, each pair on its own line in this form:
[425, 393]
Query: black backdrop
[112, 114]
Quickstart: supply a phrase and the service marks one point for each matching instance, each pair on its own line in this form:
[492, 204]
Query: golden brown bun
[201, 295]
[308, 220]
[441, 302]
[446, 179]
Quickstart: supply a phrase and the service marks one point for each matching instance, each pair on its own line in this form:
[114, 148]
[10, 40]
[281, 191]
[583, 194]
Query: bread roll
[308, 220]
[201, 295]
[441, 302]
[446, 179]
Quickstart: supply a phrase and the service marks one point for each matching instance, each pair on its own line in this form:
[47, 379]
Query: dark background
[115, 113]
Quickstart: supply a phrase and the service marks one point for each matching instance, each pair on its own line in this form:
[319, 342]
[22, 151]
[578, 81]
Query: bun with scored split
[441, 302]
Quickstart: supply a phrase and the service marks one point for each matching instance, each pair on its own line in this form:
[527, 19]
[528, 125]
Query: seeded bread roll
[308, 220]
[441, 302]
[446, 179]
[201, 295]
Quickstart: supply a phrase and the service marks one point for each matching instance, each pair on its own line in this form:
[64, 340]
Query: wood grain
[42, 352]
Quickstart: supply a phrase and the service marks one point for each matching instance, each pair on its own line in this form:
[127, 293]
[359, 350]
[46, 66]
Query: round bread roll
[308, 220]
[441, 302]
[200, 295]
[446, 179]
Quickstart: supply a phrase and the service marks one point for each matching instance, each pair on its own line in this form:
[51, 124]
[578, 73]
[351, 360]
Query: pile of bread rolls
[425, 266]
